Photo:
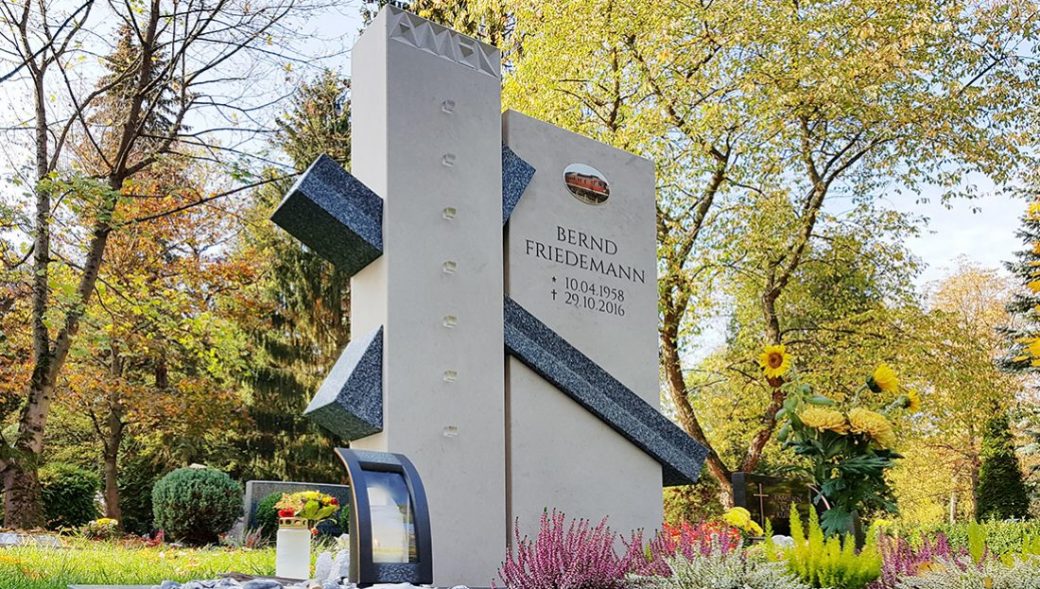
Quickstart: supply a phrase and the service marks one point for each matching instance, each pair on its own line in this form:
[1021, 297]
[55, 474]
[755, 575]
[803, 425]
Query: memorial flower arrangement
[848, 446]
[310, 507]
[740, 519]
[104, 528]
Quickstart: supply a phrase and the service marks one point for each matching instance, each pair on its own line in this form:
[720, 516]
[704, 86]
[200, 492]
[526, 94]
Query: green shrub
[137, 476]
[1001, 537]
[69, 495]
[1001, 492]
[832, 562]
[976, 542]
[266, 518]
[692, 503]
[196, 505]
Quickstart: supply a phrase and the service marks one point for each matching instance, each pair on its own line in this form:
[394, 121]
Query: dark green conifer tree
[1023, 335]
[309, 301]
[1001, 492]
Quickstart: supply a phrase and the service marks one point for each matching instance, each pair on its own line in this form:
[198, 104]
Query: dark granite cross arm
[335, 215]
[339, 218]
[579, 377]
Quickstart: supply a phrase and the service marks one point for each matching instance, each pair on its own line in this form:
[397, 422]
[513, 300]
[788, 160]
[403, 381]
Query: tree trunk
[112, 444]
[976, 466]
[687, 417]
[21, 481]
[22, 508]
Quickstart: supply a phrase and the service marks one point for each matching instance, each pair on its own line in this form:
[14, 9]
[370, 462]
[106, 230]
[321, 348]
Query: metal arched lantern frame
[364, 570]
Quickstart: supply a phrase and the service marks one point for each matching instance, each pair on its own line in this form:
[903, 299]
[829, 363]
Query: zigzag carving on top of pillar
[432, 38]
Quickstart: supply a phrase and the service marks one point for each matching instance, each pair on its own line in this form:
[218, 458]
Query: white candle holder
[293, 549]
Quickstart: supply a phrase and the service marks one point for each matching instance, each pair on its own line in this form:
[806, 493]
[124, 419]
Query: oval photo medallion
[586, 183]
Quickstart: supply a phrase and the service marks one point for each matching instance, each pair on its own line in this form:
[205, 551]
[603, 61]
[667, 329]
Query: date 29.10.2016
[584, 294]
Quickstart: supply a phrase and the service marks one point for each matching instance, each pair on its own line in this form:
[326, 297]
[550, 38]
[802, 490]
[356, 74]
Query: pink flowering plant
[901, 559]
[569, 556]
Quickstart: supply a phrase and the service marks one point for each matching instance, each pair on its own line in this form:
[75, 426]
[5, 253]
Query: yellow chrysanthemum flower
[913, 401]
[874, 425]
[1034, 285]
[823, 419]
[775, 361]
[738, 517]
[884, 379]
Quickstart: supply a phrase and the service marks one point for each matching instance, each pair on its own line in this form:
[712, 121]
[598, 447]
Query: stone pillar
[426, 137]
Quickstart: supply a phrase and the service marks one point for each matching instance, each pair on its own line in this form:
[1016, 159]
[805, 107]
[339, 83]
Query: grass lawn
[109, 563]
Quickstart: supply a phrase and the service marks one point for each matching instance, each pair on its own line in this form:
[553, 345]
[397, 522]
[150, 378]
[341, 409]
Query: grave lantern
[389, 520]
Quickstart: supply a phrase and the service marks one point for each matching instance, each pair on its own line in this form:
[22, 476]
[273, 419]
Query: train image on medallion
[586, 183]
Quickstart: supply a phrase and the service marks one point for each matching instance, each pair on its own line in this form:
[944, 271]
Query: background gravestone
[770, 499]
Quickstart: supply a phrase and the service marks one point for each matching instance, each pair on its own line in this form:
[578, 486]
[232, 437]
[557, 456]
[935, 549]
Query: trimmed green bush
[196, 505]
[266, 518]
[1001, 493]
[69, 495]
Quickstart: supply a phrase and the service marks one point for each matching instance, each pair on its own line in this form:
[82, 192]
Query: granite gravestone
[503, 301]
[770, 499]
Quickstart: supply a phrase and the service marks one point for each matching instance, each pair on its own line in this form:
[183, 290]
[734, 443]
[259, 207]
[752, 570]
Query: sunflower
[874, 425]
[884, 379]
[913, 401]
[821, 419]
[775, 361]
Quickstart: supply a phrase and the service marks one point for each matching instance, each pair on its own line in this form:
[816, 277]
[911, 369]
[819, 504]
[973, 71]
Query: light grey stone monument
[503, 301]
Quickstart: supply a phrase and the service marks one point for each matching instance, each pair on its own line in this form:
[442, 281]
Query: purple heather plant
[900, 559]
[569, 556]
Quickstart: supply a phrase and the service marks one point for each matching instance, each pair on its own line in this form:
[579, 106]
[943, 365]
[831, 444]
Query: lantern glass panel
[393, 521]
